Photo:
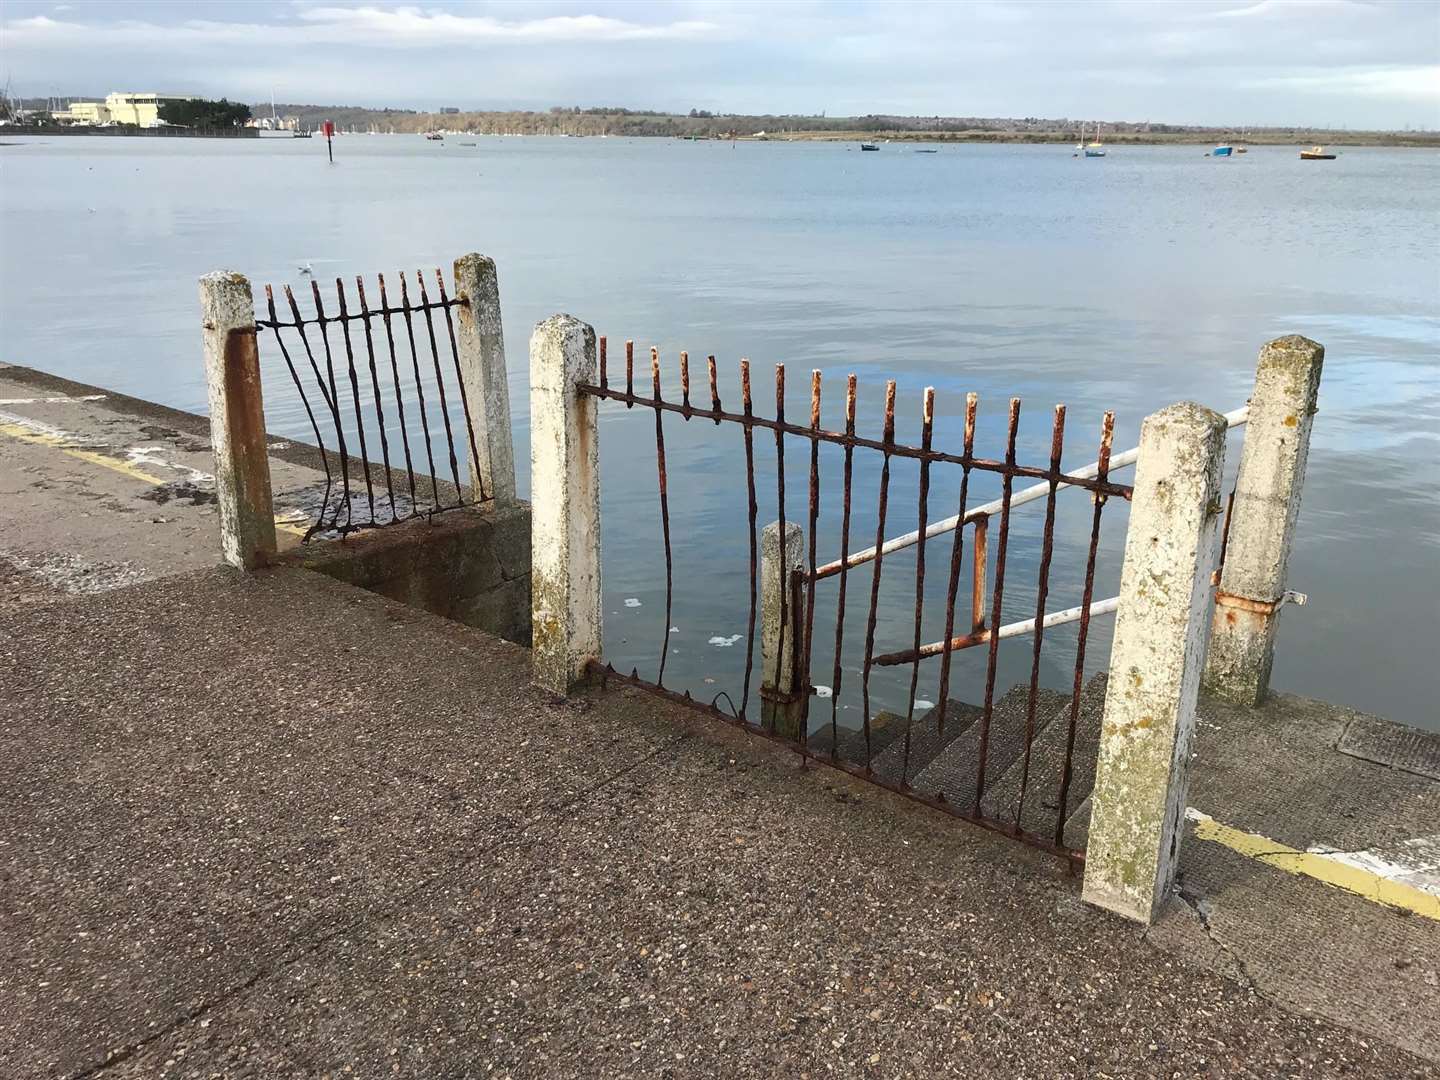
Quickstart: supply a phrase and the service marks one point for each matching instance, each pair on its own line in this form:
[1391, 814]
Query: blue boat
[1222, 151]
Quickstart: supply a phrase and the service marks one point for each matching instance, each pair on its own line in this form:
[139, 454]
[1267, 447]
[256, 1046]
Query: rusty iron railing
[797, 601]
[355, 416]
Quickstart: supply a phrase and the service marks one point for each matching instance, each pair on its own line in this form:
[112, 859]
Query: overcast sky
[1355, 63]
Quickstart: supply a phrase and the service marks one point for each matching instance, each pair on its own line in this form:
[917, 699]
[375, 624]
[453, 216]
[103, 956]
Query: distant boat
[1222, 151]
[927, 151]
[434, 136]
[1092, 149]
[1316, 153]
[868, 146]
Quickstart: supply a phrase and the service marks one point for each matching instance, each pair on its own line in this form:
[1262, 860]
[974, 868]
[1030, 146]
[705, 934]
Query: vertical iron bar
[477, 480]
[927, 421]
[335, 403]
[355, 394]
[685, 383]
[604, 374]
[399, 395]
[979, 556]
[804, 671]
[889, 438]
[406, 309]
[1042, 593]
[629, 374]
[664, 509]
[439, 383]
[1107, 431]
[753, 509]
[844, 570]
[375, 386]
[714, 390]
[304, 400]
[957, 550]
[309, 354]
[1007, 485]
[780, 506]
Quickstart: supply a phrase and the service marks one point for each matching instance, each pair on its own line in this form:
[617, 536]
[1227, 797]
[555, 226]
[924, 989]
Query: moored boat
[1222, 151]
[868, 146]
[1316, 153]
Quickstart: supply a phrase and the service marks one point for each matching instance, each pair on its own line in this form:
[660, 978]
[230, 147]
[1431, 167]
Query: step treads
[1077, 828]
[926, 741]
[953, 772]
[885, 728]
[1047, 761]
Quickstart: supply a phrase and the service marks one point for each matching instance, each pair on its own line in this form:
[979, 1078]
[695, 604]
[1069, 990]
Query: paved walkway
[274, 826]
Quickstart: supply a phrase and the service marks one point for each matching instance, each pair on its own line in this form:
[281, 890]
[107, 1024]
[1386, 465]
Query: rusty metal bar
[334, 400]
[780, 508]
[752, 509]
[927, 422]
[979, 558]
[405, 309]
[440, 386]
[1007, 483]
[629, 374]
[956, 555]
[1009, 630]
[889, 438]
[375, 387]
[895, 450]
[1047, 549]
[714, 391]
[604, 373]
[399, 397]
[478, 480]
[802, 676]
[299, 322]
[305, 400]
[664, 513]
[835, 677]
[355, 395]
[1107, 432]
[684, 385]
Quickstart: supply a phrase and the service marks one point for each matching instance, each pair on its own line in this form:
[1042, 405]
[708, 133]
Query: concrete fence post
[781, 700]
[1156, 660]
[565, 498]
[1262, 522]
[480, 341]
[237, 420]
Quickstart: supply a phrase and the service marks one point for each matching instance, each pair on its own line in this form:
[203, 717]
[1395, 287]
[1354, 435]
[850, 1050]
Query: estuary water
[1123, 283]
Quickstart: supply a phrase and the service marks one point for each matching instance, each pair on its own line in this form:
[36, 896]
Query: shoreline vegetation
[700, 124]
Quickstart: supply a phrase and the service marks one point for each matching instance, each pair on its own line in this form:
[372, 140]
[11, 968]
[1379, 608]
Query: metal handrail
[1234, 418]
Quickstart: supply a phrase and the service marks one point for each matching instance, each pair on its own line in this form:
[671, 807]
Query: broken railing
[396, 392]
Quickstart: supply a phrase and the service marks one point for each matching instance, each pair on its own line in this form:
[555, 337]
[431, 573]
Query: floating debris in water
[921, 703]
[630, 601]
[724, 642]
[824, 691]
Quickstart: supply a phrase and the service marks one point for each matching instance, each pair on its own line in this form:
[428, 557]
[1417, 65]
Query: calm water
[1123, 283]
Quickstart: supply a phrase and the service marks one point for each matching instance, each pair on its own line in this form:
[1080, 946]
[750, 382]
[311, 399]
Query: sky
[1329, 63]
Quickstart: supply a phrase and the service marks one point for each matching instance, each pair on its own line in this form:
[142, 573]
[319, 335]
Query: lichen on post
[237, 420]
[565, 498]
[1161, 627]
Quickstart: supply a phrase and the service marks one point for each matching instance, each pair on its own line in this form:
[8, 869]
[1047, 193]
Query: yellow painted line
[1322, 867]
[60, 442]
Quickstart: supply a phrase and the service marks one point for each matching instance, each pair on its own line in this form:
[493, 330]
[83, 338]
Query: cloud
[376, 27]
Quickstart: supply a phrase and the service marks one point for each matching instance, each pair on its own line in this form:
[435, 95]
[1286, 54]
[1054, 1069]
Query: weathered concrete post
[1262, 522]
[480, 341]
[565, 497]
[781, 704]
[237, 420]
[1155, 663]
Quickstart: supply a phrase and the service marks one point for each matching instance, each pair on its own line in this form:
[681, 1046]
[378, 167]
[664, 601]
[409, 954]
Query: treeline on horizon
[616, 121]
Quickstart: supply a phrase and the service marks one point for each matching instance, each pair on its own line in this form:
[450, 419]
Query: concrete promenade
[273, 826]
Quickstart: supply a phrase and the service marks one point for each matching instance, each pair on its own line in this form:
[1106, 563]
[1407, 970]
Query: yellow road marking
[105, 461]
[1366, 883]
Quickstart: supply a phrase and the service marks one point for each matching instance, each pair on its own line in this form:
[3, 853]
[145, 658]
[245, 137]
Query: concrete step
[885, 728]
[1077, 829]
[926, 741]
[953, 772]
[1047, 760]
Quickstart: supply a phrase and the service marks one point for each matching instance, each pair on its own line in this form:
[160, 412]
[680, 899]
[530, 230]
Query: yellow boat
[1316, 153]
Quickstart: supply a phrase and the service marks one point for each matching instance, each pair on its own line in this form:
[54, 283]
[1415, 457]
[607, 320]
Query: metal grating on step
[1408, 749]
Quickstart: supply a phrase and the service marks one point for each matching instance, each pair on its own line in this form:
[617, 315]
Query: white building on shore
[140, 109]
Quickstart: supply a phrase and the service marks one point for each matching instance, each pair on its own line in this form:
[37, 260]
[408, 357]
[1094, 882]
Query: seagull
[305, 268]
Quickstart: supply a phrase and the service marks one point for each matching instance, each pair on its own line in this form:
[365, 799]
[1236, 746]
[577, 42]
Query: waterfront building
[140, 109]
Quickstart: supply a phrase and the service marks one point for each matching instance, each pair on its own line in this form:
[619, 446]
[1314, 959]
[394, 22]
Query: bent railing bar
[889, 438]
[927, 425]
[304, 400]
[957, 550]
[983, 637]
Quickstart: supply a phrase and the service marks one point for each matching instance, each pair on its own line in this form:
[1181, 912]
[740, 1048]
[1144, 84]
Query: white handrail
[1234, 418]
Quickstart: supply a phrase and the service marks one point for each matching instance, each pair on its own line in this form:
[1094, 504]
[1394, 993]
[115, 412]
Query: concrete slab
[274, 826]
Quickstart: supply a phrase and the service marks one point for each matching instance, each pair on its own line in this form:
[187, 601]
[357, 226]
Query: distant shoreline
[1422, 140]
[123, 132]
